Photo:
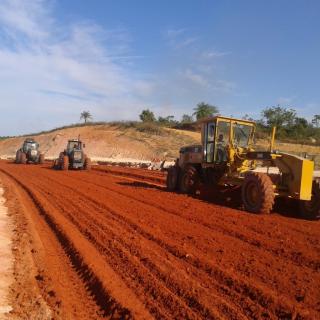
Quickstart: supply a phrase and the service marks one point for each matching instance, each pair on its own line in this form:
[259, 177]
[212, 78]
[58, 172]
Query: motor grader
[73, 157]
[29, 153]
[226, 158]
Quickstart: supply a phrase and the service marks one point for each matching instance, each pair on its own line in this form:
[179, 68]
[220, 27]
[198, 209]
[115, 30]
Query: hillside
[124, 142]
[110, 141]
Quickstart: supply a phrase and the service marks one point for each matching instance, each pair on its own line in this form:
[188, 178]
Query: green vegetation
[147, 116]
[290, 127]
[204, 110]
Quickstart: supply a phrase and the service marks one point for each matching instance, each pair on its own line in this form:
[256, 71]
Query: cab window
[210, 137]
[222, 141]
[242, 134]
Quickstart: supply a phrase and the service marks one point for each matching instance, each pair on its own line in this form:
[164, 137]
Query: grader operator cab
[73, 157]
[29, 153]
[226, 158]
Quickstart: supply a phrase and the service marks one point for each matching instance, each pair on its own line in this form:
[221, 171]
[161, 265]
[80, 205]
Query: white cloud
[196, 78]
[179, 38]
[52, 71]
[27, 17]
[211, 54]
[285, 100]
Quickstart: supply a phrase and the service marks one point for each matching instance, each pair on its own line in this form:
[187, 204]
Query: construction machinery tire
[55, 164]
[311, 209]
[189, 180]
[41, 158]
[172, 178]
[87, 164]
[18, 156]
[23, 158]
[65, 163]
[257, 193]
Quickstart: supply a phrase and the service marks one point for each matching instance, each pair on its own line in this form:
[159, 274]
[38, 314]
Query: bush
[151, 128]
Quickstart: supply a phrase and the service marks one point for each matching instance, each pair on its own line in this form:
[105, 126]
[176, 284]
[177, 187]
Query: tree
[169, 120]
[186, 118]
[279, 117]
[316, 120]
[204, 110]
[85, 115]
[147, 116]
[247, 117]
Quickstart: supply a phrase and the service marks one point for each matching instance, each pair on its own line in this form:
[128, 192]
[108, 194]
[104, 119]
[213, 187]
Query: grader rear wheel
[172, 178]
[311, 209]
[257, 193]
[189, 180]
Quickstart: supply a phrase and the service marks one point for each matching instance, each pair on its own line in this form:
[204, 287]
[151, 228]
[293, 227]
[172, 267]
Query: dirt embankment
[129, 144]
[114, 244]
[111, 142]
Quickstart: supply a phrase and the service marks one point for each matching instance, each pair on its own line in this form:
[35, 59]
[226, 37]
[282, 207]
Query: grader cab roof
[210, 119]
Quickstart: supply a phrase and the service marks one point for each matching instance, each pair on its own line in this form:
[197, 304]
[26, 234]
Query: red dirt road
[112, 243]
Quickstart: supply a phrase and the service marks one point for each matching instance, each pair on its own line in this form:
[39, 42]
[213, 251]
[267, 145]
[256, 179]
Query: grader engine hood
[190, 154]
[297, 174]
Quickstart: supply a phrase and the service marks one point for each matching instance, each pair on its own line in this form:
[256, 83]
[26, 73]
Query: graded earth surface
[112, 243]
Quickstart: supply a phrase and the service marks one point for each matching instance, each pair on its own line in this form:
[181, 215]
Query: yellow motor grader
[226, 157]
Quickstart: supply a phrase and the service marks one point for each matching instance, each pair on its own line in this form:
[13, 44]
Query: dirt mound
[114, 244]
[107, 141]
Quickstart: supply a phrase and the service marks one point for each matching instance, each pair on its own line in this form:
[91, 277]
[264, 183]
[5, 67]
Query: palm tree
[85, 115]
[204, 110]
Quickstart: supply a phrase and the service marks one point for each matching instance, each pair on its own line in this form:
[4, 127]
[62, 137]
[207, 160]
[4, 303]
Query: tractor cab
[73, 157]
[226, 139]
[74, 145]
[29, 144]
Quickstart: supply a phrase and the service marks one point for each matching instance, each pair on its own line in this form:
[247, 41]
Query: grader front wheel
[311, 209]
[257, 193]
[189, 180]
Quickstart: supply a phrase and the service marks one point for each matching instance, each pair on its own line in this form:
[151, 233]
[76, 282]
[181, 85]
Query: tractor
[226, 158]
[73, 157]
[29, 153]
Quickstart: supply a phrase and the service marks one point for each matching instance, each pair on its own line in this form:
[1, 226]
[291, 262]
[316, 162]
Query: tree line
[289, 125]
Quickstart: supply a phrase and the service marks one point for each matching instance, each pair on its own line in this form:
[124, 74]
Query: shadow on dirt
[227, 197]
[140, 184]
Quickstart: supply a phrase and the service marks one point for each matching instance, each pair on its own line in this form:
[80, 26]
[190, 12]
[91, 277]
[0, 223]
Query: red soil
[112, 243]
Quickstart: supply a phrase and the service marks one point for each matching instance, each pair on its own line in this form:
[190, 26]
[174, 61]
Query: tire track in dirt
[251, 291]
[89, 275]
[173, 259]
[183, 290]
[255, 238]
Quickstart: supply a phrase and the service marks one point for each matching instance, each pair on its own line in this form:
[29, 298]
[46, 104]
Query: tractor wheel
[65, 163]
[23, 158]
[257, 193]
[172, 178]
[41, 158]
[55, 164]
[87, 164]
[311, 209]
[18, 156]
[189, 180]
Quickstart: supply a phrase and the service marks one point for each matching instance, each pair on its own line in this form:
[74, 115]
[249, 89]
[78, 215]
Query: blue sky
[115, 58]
